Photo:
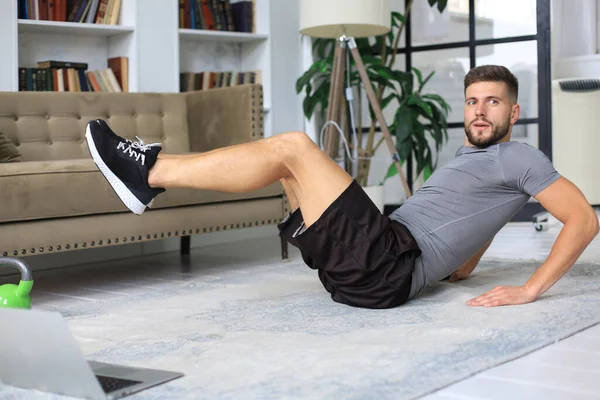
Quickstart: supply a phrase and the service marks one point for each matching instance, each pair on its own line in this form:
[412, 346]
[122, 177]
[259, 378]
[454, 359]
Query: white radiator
[576, 133]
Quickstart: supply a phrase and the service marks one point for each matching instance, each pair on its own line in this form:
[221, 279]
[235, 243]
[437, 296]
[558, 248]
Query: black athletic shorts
[363, 258]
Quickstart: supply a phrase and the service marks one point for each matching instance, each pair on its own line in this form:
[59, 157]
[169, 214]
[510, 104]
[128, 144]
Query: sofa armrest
[223, 117]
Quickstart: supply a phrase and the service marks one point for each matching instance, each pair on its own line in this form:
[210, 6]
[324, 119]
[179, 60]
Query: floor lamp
[345, 20]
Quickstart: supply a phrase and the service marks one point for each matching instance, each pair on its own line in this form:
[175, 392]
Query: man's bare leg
[288, 185]
[315, 178]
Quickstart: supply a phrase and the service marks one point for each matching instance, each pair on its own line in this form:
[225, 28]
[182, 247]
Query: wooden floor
[567, 370]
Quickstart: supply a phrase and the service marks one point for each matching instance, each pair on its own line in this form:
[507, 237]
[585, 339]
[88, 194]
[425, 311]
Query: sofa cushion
[51, 125]
[51, 189]
[8, 151]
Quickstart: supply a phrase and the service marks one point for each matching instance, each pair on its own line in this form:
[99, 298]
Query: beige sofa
[56, 200]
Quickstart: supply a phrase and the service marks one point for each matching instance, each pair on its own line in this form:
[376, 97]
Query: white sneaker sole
[119, 187]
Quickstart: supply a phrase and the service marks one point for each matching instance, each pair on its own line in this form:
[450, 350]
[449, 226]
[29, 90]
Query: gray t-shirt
[467, 201]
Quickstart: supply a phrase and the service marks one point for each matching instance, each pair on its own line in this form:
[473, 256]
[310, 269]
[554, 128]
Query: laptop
[38, 351]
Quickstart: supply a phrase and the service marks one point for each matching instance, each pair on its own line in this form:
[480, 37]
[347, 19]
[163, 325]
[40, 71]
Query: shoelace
[140, 145]
[137, 149]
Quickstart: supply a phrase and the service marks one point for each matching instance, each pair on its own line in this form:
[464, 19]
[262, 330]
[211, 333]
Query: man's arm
[467, 268]
[564, 201]
[567, 203]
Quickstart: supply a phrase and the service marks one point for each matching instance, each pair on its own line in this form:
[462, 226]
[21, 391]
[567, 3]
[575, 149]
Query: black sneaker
[125, 164]
[110, 132]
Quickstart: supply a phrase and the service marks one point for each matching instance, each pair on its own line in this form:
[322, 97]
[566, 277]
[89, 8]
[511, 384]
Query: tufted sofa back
[49, 126]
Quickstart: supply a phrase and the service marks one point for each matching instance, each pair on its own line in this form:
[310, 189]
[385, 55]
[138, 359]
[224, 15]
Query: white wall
[286, 66]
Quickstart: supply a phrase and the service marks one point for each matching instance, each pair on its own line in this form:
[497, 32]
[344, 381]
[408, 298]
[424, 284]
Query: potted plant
[419, 117]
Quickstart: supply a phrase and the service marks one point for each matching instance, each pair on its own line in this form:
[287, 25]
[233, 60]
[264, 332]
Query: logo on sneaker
[135, 150]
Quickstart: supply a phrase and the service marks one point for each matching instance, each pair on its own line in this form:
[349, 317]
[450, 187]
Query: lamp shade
[355, 18]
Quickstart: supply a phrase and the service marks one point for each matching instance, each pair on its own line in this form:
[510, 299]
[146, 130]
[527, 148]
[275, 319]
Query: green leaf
[318, 67]
[426, 80]
[442, 5]
[427, 172]
[382, 71]
[421, 147]
[419, 76]
[435, 128]
[390, 36]
[308, 88]
[371, 60]
[377, 79]
[386, 100]
[319, 97]
[376, 48]
[364, 47]
[404, 149]
[406, 81]
[404, 124]
[308, 105]
[397, 19]
[303, 80]
[323, 47]
[392, 171]
[415, 99]
[438, 99]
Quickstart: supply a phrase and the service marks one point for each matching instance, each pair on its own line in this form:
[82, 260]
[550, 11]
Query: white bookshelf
[220, 36]
[148, 34]
[71, 28]
[218, 51]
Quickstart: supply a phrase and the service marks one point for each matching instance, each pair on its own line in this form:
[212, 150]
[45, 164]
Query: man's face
[489, 114]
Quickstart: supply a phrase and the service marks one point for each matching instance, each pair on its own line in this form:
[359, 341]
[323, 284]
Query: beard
[483, 140]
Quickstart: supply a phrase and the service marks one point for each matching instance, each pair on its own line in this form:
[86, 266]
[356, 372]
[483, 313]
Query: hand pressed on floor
[502, 296]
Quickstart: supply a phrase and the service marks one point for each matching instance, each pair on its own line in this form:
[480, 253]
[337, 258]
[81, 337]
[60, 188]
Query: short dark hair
[494, 73]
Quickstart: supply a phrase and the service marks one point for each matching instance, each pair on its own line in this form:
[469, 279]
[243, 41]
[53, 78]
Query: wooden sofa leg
[284, 248]
[185, 245]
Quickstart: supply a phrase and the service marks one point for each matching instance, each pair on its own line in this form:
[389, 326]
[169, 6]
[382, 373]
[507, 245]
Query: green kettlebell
[16, 296]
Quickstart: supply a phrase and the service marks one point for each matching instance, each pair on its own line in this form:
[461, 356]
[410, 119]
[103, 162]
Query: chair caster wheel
[541, 221]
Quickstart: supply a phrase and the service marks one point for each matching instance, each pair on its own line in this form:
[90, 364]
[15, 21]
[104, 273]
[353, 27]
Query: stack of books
[85, 11]
[190, 81]
[220, 15]
[68, 76]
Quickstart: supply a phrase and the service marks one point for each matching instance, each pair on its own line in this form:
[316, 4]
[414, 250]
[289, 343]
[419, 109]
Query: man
[365, 259]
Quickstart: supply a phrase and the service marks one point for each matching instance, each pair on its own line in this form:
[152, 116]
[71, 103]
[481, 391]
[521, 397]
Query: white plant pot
[375, 192]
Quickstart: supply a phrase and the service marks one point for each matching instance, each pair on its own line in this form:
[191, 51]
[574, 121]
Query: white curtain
[576, 21]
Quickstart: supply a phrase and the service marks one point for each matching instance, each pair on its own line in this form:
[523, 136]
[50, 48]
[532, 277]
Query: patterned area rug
[250, 329]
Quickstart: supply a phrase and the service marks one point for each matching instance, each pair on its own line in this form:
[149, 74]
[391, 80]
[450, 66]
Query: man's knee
[298, 142]
[293, 149]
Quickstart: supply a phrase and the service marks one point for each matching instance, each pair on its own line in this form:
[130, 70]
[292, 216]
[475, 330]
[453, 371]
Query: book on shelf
[120, 67]
[69, 76]
[84, 11]
[205, 80]
[218, 15]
